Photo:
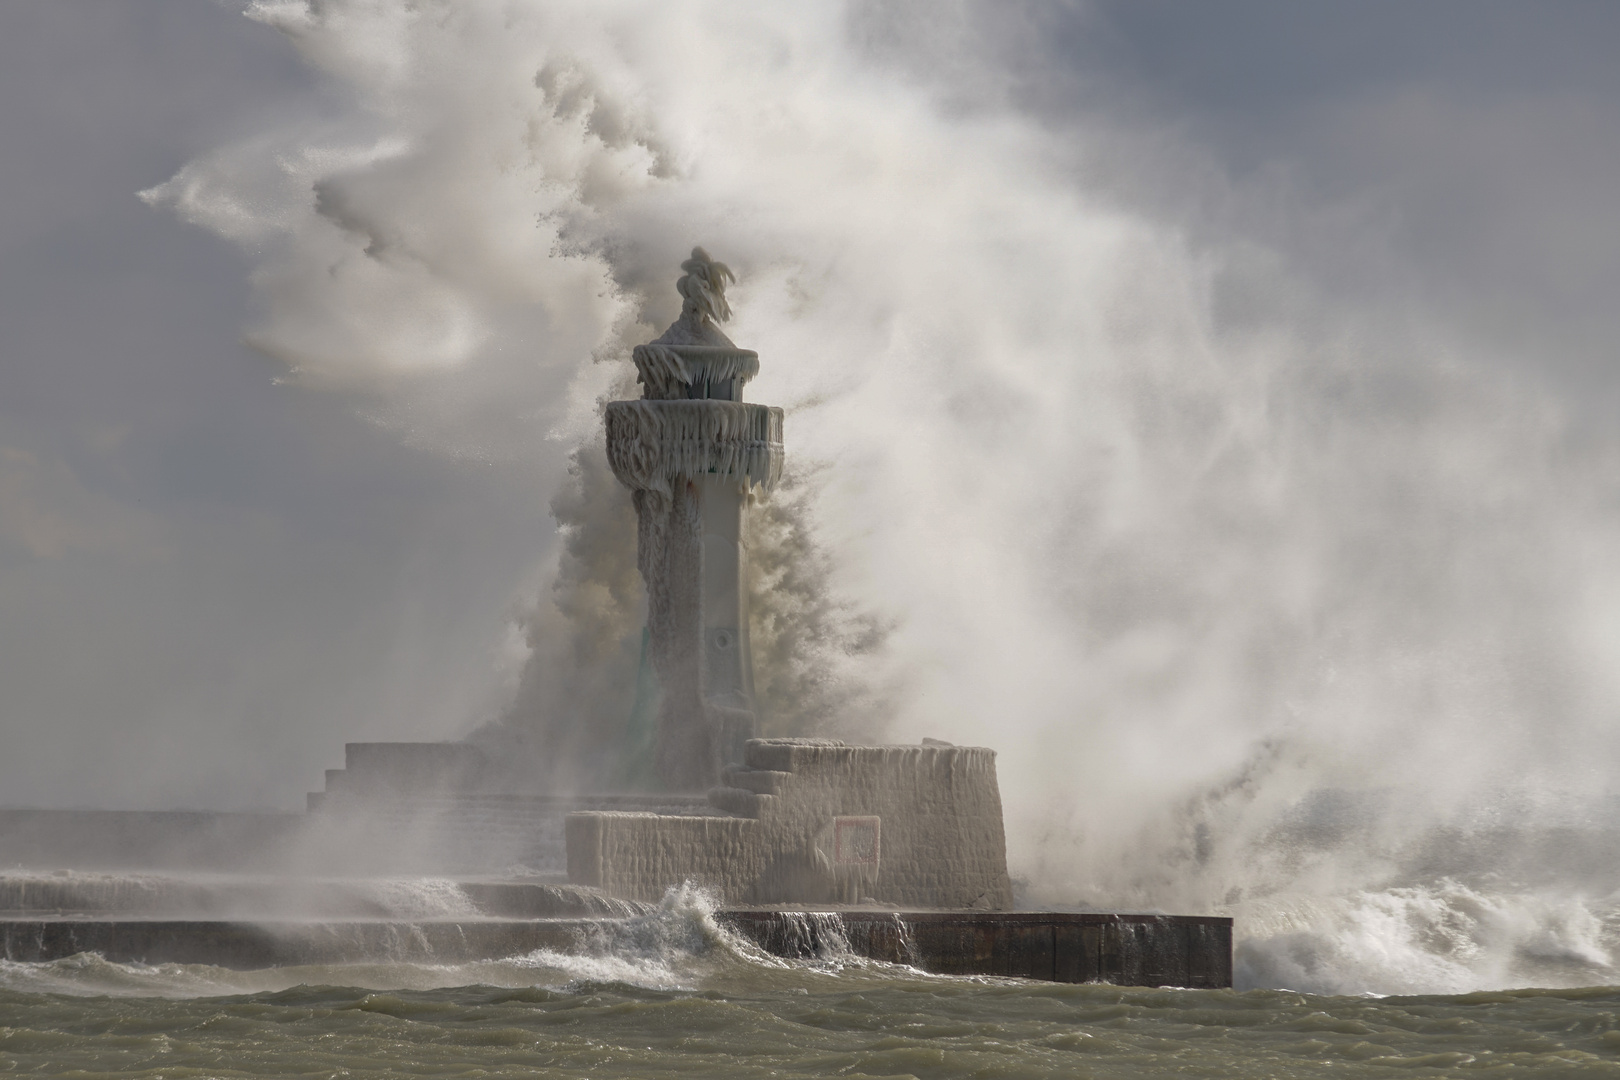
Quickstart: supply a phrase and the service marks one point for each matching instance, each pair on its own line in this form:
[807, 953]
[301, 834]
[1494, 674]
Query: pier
[1125, 950]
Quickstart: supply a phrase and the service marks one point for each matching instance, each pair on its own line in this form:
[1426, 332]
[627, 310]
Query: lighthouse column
[695, 455]
[728, 670]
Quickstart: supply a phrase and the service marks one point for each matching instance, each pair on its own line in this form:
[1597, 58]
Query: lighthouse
[694, 456]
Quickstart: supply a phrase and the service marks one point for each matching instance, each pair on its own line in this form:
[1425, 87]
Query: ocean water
[672, 994]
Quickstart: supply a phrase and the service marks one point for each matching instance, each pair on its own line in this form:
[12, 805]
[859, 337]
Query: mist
[1253, 499]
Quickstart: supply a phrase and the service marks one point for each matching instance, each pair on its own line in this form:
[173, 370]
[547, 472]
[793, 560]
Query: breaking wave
[678, 945]
[1436, 938]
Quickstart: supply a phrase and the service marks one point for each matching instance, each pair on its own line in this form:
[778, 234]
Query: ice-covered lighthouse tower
[694, 455]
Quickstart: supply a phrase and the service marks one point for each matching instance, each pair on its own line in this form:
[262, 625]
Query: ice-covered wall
[804, 831]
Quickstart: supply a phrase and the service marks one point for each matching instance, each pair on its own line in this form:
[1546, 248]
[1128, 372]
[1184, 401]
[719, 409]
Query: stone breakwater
[1127, 950]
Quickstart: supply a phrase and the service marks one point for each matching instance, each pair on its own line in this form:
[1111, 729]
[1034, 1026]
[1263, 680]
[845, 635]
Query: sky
[214, 573]
[211, 581]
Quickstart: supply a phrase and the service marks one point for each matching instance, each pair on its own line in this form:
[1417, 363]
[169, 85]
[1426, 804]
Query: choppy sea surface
[674, 995]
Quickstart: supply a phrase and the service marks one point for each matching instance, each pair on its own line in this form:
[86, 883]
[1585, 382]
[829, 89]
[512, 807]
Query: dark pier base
[1125, 950]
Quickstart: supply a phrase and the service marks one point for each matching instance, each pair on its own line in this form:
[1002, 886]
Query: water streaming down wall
[489, 922]
[1126, 950]
[246, 921]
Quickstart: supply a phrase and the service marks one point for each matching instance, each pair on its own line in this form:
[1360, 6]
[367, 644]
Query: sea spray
[683, 943]
[676, 945]
[1436, 938]
[216, 896]
[1188, 540]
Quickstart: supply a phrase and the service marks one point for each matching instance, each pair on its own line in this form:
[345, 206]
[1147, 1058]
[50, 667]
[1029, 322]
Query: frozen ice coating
[805, 820]
[784, 821]
[705, 371]
[703, 301]
[653, 445]
[814, 820]
[694, 455]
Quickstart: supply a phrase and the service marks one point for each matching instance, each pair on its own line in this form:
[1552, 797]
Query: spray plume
[1248, 605]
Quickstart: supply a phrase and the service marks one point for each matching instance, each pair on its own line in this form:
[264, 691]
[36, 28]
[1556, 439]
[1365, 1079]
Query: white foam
[677, 946]
[1437, 938]
[670, 948]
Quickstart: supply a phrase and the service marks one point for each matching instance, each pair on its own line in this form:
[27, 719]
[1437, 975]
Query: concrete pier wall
[817, 821]
[1124, 950]
[250, 945]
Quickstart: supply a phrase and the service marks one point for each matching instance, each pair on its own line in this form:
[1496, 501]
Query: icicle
[670, 372]
[651, 444]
